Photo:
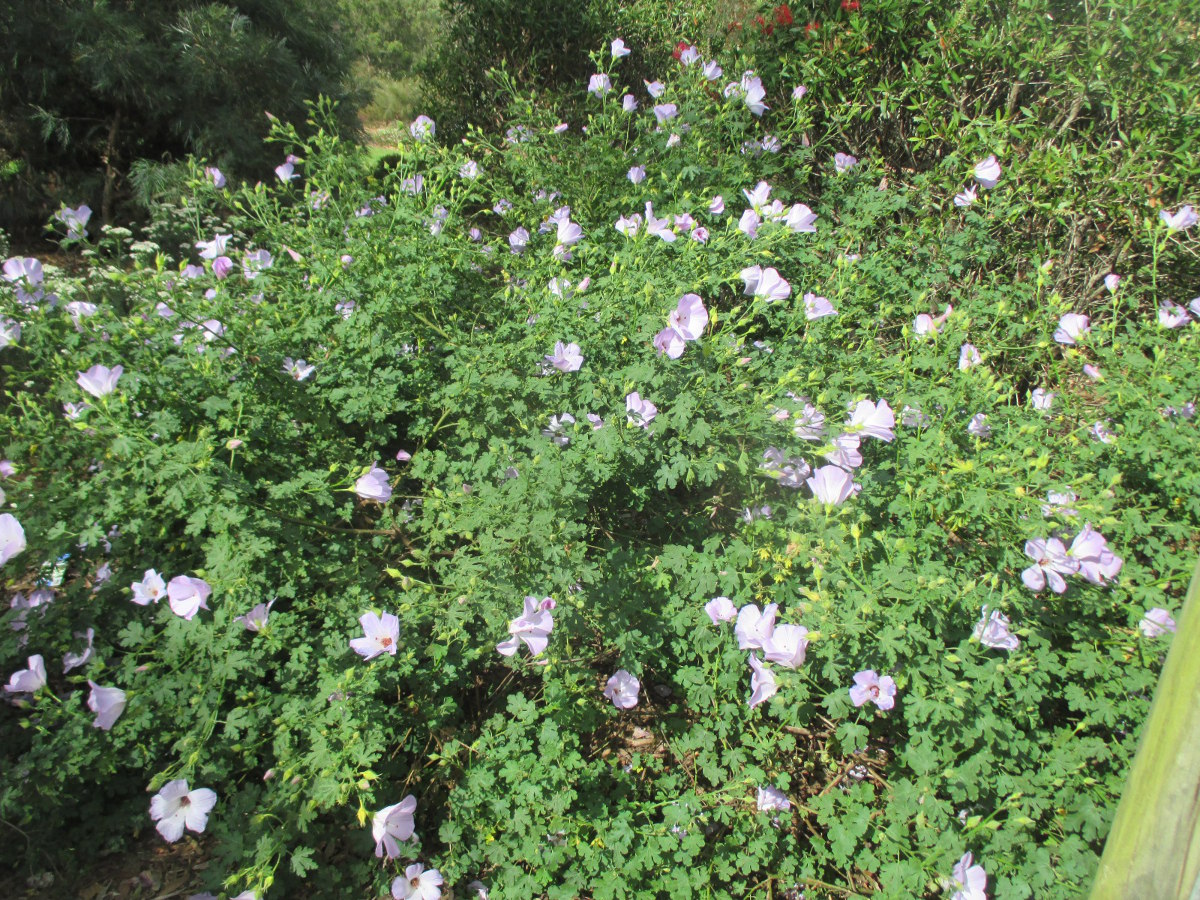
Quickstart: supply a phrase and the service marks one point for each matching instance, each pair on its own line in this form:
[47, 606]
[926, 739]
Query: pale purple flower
[1172, 315]
[619, 49]
[215, 176]
[629, 103]
[843, 162]
[1193, 307]
[713, 70]
[978, 426]
[99, 381]
[565, 358]
[12, 537]
[762, 682]
[286, 172]
[655, 88]
[622, 689]
[817, 307]
[25, 269]
[968, 357]
[412, 185]
[992, 631]
[187, 595]
[107, 703]
[557, 429]
[748, 224]
[256, 619]
[595, 421]
[754, 93]
[969, 880]
[801, 219]
[788, 471]
[1071, 328]
[1156, 622]
[844, 452]
[221, 267]
[987, 172]
[569, 233]
[417, 883]
[393, 824]
[637, 174]
[868, 685]
[754, 627]
[629, 226]
[670, 343]
[1101, 433]
[911, 417]
[771, 799]
[381, 634]
[533, 627]
[1112, 281]
[10, 333]
[75, 219]
[375, 485]
[76, 660]
[639, 412]
[699, 234]
[256, 262]
[716, 206]
[175, 808]
[1050, 564]
[403, 456]
[787, 645]
[798, 92]
[832, 485]
[518, 240]
[766, 284]
[927, 324]
[689, 56]
[599, 85]
[1056, 504]
[759, 196]
[469, 170]
[809, 423]
[1041, 399]
[502, 207]
[965, 197]
[297, 368]
[1097, 563]
[422, 128]
[721, 609]
[7, 469]
[214, 248]
[873, 420]
[1180, 220]
[29, 680]
[150, 589]
[661, 227]
[689, 318]
[1092, 372]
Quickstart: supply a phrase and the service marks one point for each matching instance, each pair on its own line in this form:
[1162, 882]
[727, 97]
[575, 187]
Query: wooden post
[1153, 850]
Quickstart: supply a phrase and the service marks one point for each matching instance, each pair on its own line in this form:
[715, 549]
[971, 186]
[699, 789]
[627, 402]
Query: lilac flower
[689, 318]
[214, 248]
[655, 88]
[788, 471]
[595, 421]
[689, 56]
[1050, 564]
[637, 174]
[759, 196]
[422, 128]
[868, 685]
[569, 233]
[297, 368]
[99, 381]
[629, 103]
[873, 420]
[76, 660]
[599, 85]
[1092, 372]
[832, 485]
[754, 93]
[765, 284]
[12, 537]
[1111, 282]
[639, 412]
[565, 358]
[969, 880]
[187, 595]
[1172, 315]
[7, 469]
[1102, 433]
[817, 307]
[374, 485]
[557, 429]
[175, 808]
[987, 172]
[629, 226]
[911, 417]
[619, 49]
[670, 343]
[968, 357]
[787, 645]
[256, 262]
[748, 224]
[978, 426]
[518, 240]
[10, 333]
[502, 207]
[221, 267]
[965, 197]
[801, 219]
[1071, 328]
[699, 234]
[107, 703]
[1180, 220]
[1041, 399]
[1056, 504]
[256, 619]
[622, 689]
[660, 227]
[992, 631]
[754, 628]
[150, 589]
[716, 206]
[762, 682]
[75, 219]
[30, 680]
[1097, 563]
[1155, 623]
[417, 883]
[713, 71]
[843, 162]
[533, 627]
[721, 609]
[1193, 307]
[771, 799]
[286, 172]
[843, 452]
[393, 824]
[927, 324]
[809, 423]
[381, 634]
[798, 92]
[25, 269]
[72, 411]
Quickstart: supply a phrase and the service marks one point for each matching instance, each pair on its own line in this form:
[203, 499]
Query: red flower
[850, 5]
[783, 15]
[811, 27]
[679, 48]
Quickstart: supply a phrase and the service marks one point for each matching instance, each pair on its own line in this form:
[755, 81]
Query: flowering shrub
[776, 621]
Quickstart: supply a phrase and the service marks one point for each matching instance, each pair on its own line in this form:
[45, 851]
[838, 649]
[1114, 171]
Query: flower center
[385, 642]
